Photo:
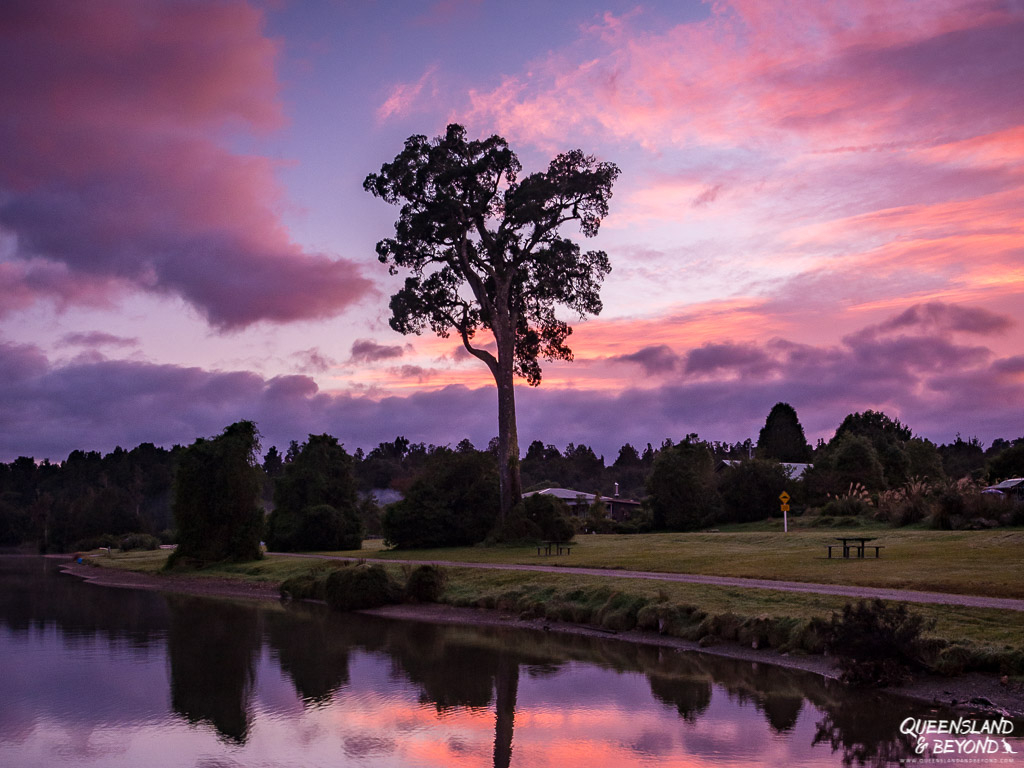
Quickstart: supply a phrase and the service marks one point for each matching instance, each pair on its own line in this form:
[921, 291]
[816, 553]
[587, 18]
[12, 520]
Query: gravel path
[904, 595]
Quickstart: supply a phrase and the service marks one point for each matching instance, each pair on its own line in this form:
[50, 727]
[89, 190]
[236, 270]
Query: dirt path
[904, 595]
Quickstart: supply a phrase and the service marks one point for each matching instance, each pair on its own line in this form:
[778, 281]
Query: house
[618, 508]
[795, 470]
[1012, 488]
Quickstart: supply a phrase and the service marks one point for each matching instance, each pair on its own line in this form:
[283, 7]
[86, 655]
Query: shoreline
[972, 691]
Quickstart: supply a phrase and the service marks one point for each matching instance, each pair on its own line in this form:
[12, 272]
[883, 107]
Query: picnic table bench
[545, 547]
[854, 546]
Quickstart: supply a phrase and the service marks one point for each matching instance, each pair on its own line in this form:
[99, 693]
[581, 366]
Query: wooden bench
[544, 548]
[855, 549]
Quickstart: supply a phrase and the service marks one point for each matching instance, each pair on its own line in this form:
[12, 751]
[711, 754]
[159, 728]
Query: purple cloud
[369, 351]
[97, 339]
[655, 359]
[150, 201]
[746, 359]
[936, 386]
[313, 360]
[949, 317]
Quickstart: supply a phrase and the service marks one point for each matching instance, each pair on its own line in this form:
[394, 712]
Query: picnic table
[855, 545]
[545, 547]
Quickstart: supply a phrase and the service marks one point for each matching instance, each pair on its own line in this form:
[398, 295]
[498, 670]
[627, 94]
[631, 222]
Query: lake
[97, 676]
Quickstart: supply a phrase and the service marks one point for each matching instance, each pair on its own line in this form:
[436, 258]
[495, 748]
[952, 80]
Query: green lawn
[962, 562]
[965, 562]
[983, 627]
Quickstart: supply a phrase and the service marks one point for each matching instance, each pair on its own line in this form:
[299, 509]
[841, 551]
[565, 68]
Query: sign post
[784, 498]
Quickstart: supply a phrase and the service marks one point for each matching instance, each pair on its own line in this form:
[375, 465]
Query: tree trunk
[511, 488]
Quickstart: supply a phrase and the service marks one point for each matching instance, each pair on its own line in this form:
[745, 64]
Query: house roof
[1007, 485]
[566, 494]
[570, 496]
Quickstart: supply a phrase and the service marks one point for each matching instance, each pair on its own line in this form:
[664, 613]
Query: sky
[820, 203]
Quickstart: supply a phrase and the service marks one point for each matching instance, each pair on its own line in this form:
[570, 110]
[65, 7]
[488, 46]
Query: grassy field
[979, 562]
[961, 562]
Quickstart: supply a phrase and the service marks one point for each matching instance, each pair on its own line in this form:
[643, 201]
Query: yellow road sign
[785, 507]
[784, 497]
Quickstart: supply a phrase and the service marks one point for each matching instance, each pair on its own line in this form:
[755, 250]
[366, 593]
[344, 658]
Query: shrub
[425, 584]
[907, 504]
[305, 587]
[316, 507]
[620, 611]
[364, 586]
[854, 503]
[750, 490]
[681, 488]
[139, 541]
[962, 506]
[877, 644]
[452, 502]
[95, 542]
[550, 515]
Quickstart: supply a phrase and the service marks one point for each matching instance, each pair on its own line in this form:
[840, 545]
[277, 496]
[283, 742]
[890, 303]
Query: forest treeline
[422, 494]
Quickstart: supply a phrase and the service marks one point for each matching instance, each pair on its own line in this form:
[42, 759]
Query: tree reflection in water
[477, 667]
[854, 731]
[212, 648]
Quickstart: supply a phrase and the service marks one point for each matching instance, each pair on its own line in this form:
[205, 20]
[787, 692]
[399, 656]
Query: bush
[138, 541]
[364, 586]
[750, 490]
[877, 644]
[316, 507]
[550, 515]
[453, 502]
[907, 504]
[95, 542]
[962, 506]
[518, 528]
[305, 587]
[319, 527]
[682, 494]
[425, 584]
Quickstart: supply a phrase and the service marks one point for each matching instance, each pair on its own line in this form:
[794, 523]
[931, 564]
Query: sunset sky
[820, 203]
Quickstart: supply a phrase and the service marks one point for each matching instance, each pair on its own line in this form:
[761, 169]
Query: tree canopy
[216, 488]
[484, 253]
[782, 436]
[315, 505]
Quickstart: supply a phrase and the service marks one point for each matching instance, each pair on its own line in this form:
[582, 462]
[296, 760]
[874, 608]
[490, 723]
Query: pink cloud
[405, 97]
[837, 74]
[113, 169]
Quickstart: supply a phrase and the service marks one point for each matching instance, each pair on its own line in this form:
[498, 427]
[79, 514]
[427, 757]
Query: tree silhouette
[485, 254]
[216, 488]
[782, 437]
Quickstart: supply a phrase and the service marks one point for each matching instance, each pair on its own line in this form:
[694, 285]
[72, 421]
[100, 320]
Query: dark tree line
[318, 496]
[58, 506]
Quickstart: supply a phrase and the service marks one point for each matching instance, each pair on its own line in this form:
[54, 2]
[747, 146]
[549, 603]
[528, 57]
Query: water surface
[96, 676]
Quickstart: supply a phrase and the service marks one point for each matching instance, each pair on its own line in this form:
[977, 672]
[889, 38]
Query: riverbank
[975, 692]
